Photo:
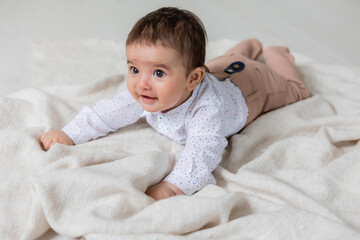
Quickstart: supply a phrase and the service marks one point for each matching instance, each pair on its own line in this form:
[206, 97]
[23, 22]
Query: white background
[326, 30]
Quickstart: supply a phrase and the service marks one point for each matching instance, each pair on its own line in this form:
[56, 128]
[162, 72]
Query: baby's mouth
[147, 99]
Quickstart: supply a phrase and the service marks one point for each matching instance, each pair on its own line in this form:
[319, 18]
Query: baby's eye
[159, 73]
[134, 70]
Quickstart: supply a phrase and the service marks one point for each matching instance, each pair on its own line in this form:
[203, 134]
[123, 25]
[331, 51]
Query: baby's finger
[45, 137]
[47, 144]
[42, 138]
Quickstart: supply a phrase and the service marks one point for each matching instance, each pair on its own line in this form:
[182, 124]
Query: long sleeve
[203, 150]
[108, 115]
[193, 170]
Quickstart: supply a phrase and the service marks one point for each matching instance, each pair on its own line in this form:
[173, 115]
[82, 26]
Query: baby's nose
[144, 83]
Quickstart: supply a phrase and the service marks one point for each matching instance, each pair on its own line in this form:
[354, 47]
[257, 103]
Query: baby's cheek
[129, 82]
[170, 98]
[131, 87]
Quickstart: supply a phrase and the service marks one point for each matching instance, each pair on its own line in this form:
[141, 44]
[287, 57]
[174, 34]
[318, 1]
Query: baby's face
[156, 77]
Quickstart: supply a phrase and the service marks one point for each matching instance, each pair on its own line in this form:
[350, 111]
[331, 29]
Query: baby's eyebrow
[158, 65]
[162, 66]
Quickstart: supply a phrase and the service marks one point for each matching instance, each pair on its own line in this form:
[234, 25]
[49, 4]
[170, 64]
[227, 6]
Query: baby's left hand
[163, 190]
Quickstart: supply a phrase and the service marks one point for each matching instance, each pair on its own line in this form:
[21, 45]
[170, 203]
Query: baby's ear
[195, 77]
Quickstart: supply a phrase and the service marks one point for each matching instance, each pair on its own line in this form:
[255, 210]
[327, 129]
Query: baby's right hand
[55, 136]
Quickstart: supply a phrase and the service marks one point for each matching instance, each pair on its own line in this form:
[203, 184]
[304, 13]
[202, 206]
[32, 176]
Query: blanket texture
[294, 173]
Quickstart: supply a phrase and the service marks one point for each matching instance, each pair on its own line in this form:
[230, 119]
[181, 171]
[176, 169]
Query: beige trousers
[266, 85]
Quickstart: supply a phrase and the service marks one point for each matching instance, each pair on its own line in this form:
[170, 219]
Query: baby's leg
[250, 48]
[282, 62]
[265, 86]
[281, 82]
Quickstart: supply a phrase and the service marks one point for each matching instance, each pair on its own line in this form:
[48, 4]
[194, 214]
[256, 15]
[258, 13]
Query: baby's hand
[55, 136]
[163, 190]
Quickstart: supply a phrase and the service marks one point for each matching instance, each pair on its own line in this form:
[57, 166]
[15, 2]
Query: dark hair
[176, 28]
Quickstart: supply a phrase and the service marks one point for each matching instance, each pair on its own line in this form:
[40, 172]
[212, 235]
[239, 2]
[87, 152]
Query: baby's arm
[106, 116]
[205, 144]
[193, 170]
[55, 136]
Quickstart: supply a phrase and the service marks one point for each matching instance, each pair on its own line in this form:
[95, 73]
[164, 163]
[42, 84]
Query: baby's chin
[155, 105]
[154, 109]
[150, 108]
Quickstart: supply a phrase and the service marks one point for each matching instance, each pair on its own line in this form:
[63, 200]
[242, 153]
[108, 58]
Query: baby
[182, 98]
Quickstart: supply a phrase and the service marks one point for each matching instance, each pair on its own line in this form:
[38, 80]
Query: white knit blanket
[294, 173]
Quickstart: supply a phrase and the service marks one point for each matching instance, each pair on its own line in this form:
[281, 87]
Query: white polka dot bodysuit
[216, 109]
